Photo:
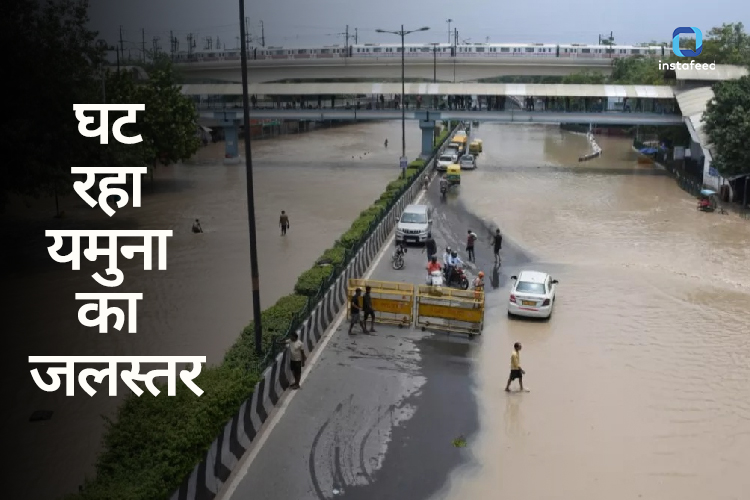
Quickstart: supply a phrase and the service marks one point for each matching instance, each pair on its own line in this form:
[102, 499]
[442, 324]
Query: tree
[168, 125]
[585, 77]
[727, 123]
[55, 65]
[636, 71]
[726, 44]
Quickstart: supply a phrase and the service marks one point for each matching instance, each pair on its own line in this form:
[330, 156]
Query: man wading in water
[284, 222]
[516, 372]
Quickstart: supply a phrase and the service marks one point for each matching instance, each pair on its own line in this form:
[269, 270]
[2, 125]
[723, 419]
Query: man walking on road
[369, 311]
[516, 372]
[498, 245]
[430, 247]
[470, 245]
[284, 222]
[296, 359]
[355, 309]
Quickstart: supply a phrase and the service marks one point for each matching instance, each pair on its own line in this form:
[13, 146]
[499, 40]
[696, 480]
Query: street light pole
[250, 196]
[449, 21]
[403, 34]
[403, 91]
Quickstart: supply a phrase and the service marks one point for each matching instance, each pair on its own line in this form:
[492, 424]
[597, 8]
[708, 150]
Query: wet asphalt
[384, 415]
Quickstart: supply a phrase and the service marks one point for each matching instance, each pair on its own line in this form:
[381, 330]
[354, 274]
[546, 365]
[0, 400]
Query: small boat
[646, 155]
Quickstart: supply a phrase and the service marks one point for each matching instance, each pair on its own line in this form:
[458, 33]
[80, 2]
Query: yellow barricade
[393, 302]
[452, 310]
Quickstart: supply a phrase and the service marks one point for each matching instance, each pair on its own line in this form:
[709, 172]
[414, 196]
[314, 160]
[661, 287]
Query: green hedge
[155, 442]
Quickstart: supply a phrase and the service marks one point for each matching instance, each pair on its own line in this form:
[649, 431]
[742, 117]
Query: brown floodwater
[199, 305]
[640, 382]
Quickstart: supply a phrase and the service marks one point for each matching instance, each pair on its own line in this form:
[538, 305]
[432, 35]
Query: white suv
[414, 224]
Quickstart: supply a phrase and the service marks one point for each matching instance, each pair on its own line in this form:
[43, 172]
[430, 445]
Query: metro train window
[302, 51]
[426, 49]
[585, 51]
[504, 49]
[479, 49]
[377, 50]
[529, 49]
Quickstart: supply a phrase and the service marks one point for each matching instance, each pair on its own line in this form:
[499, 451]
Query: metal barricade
[393, 302]
[448, 309]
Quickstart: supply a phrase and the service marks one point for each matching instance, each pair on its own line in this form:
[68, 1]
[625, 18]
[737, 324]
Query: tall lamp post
[402, 34]
[449, 21]
[250, 196]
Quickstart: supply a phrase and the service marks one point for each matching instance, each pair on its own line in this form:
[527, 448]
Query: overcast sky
[294, 23]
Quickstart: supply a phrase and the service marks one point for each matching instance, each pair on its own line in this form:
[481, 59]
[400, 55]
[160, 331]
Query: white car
[532, 295]
[444, 160]
[468, 162]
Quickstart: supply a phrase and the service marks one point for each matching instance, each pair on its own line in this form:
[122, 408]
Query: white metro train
[418, 50]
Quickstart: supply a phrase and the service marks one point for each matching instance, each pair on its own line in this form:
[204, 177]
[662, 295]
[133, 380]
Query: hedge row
[155, 442]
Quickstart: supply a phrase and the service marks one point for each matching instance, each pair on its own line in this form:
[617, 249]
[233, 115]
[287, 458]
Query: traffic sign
[403, 163]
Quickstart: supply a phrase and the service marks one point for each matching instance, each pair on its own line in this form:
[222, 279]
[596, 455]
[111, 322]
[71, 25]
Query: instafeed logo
[687, 52]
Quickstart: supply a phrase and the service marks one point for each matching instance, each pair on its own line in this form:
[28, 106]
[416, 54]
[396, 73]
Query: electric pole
[156, 47]
[218, 43]
[171, 45]
[347, 40]
[262, 35]
[143, 42]
[122, 49]
[356, 39]
[191, 46]
[247, 35]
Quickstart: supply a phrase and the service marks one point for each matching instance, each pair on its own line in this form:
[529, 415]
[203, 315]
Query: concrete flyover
[217, 117]
[456, 69]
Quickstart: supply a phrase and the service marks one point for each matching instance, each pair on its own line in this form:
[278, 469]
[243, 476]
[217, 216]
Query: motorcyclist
[443, 183]
[447, 262]
[455, 262]
[426, 181]
[433, 266]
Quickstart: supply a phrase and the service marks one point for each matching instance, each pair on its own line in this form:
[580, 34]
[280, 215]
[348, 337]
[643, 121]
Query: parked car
[414, 224]
[532, 295]
[468, 162]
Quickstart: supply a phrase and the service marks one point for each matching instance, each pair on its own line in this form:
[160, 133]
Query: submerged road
[377, 414]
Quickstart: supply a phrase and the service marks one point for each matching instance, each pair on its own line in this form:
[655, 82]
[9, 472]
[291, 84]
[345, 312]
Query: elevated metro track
[215, 117]
[455, 69]
[437, 89]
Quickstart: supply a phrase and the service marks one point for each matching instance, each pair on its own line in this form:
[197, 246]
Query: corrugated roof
[520, 90]
[721, 73]
[692, 105]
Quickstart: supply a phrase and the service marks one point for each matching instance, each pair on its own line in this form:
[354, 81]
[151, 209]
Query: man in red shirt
[433, 265]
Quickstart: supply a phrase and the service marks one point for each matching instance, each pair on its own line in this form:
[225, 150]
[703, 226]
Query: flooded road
[640, 383]
[200, 304]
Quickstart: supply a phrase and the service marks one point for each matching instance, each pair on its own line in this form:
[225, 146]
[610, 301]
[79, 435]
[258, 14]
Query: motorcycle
[397, 260]
[458, 279]
[443, 190]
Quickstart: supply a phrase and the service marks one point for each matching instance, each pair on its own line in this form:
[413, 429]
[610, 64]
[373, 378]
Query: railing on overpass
[612, 118]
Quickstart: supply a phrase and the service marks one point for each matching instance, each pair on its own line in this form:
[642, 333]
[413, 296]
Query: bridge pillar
[428, 136]
[231, 142]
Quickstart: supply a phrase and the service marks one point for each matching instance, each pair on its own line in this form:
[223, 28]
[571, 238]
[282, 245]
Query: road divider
[448, 309]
